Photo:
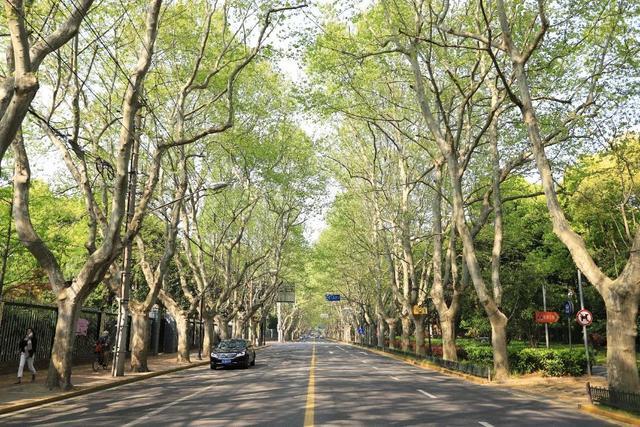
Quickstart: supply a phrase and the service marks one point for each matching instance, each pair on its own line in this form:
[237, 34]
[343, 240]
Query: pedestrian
[102, 348]
[27, 352]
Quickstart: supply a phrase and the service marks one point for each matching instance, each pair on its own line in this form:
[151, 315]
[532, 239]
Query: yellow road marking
[311, 397]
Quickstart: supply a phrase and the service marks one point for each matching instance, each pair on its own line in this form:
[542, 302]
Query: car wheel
[253, 362]
[246, 364]
[213, 366]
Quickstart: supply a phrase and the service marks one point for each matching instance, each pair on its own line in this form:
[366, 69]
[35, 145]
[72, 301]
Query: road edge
[622, 417]
[594, 410]
[101, 387]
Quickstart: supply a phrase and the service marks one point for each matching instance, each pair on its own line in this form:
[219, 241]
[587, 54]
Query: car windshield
[228, 345]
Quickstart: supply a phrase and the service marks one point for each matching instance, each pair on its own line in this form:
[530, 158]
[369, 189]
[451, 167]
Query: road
[299, 384]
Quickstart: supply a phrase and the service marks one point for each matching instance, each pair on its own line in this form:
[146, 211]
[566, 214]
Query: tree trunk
[499, 343]
[184, 352]
[223, 327]
[392, 324]
[622, 370]
[59, 375]
[447, 325]
[380, 332]
[208, 341]
[140, 333]
[418, 323]
[406, 327]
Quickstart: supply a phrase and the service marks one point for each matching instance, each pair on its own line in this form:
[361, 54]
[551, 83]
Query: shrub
[552, 362]
[479, 354]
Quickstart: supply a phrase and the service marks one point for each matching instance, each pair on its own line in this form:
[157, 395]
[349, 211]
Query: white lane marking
[330, 352]
[362, 352]
[375, 368]
[396, 378]
[168, 405]
[363, 361]
[427, 394]
[485, 424]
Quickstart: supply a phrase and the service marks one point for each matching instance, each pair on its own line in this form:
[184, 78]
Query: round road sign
[584, 317]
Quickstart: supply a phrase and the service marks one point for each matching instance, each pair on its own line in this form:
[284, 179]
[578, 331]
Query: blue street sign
[568, 308]
[332, 297]
[360, 330]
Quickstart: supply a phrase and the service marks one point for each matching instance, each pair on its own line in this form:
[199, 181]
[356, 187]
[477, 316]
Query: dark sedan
[234, 352]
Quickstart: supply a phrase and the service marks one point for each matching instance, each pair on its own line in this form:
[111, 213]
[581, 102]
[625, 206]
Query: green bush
[552, 362]
[479, 354]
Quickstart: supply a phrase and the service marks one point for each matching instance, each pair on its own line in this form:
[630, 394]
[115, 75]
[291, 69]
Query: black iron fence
[18, 316]
[467, 368]
[614, 398]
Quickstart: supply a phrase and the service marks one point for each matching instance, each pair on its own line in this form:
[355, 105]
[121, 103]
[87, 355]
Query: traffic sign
[332, 297]
[418, 309]
[360, 330]
[546, 317]
[568, 308]
[584, 317]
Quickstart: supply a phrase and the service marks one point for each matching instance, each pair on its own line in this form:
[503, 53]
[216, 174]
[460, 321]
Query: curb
[101, 387]
[610, 414]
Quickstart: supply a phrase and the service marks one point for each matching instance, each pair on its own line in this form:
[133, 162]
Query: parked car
[234, 352]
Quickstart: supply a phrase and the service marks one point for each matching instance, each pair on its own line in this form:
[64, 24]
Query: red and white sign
[82, 326]
[584, 317]
[546, 317]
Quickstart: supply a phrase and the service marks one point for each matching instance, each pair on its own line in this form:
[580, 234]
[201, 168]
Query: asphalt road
[350, 386]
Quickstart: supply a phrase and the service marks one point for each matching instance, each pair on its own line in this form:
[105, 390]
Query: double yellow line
[311, 392]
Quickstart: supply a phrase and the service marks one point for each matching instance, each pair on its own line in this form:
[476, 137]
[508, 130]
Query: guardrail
[467, 368]
[613, 398]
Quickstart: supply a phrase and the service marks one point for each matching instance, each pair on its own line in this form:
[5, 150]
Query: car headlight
[242, 353]
[214, 355]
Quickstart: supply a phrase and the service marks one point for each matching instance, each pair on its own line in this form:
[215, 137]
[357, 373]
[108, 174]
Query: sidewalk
[18, 396]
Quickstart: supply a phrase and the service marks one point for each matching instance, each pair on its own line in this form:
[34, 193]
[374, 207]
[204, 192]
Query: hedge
[552, 362]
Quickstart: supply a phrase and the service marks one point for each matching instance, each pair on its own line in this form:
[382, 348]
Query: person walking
[102, 349]
[27, 352]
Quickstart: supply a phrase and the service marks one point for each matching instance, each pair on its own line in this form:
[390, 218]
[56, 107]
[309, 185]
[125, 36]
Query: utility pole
[584, 328]
[120, 353]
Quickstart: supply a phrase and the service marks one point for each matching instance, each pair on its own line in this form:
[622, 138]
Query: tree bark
[406, 328]
[140, 337]
[622, 312]
[447, 325]
[223, 327]
[380, 331]
[184, 351]
[59, 375]
[418, 323]
[392, 323]
[499, 343]
[208, 341]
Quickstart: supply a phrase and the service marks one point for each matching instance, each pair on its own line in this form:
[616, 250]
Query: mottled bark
[59, 375]
[184, 352]
[140, 337]
[406, 330]
[447, 326]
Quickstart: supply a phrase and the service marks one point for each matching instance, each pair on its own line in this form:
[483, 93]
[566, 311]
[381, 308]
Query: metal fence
[18, 316]
[614, 398]
[467, 368]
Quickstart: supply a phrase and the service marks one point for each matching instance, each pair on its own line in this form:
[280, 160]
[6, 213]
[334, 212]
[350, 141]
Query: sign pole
[544, 306]
[584, 328]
